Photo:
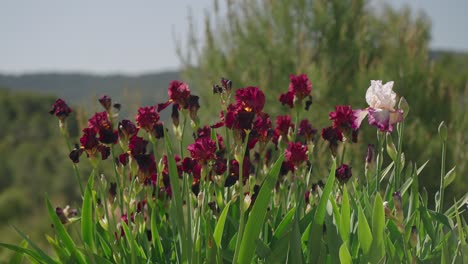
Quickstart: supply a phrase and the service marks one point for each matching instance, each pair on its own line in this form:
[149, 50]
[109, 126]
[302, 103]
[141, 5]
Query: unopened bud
[247, 201]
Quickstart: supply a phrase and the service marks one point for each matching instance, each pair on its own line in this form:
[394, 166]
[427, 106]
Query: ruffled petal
[359, 115]
[395, 117]
[381, 119]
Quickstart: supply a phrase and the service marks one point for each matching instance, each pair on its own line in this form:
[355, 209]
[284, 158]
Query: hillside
[81, 89]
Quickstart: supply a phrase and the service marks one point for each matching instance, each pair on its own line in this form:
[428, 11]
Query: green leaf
[378, 229]
[42, 255]
[279, 250]
[285, 223]
[177, 201]
[345, 257]
[345, 216]
[87, 225]
[449, 177]
[28, 252]
[17, 258]
[316, 229]
[155, 233]
[364, 232]
[257, 215]
[219, 229]
[322, 207]
[295, 246]
[391, 149]
[63, 235]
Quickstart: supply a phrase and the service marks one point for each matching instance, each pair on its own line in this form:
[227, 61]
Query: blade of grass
[177, 202]
[39, 251]
[364, 232]
[155, 233]
[17, 258]
[33, 254]
[345, 257]
[345, 216]
[257, 215]
[87, 225]
[316, 230]
[378, 229]
[219, 229]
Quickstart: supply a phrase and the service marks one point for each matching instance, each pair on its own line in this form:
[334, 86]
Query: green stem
[442, 177]
[241, 198]
[343, 153]
[182, 137]
[398, 159]
[66, 136]
[153, 145]
[379, 160]
[118, 181]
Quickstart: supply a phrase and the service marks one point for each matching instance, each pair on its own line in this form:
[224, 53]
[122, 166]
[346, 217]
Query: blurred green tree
[341, 45]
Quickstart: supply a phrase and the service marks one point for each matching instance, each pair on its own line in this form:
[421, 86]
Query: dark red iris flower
[100, 123]
[193, 105]
[106, 102]
[175, 115]
[137, 145]
[343, 117]
[300, 85]
[343, 173]
[262, 127]
[203, 150]
[179, 94]
[250, 99]
[146, 167]
[306, 130]
[234, 171]
[287, 99]
[296, 153]
[147, 118]
[332, 135]
[299, 88]
[127, 129]
[89, 144]
[283, 124]
[60, 109]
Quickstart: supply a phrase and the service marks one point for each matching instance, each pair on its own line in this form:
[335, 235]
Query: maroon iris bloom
[178, 92]
[332, 135]
[137, 145]
[296, 153]
[370, 154]
[306, 130]
[250, 99]
[300, 85]
[287, 98]
[89, 144]
[146, 167]
[299, 88]
[147, 118]
[193, 106]
[262, 127]
[101, 124]
[106, 102]
[60, 109]
[234, 171]
[204, 132]
[123, 159]
[343, 117]
[127, 129]
[203, 150]
[175, 115]
[343, 173]
[283, 124]
[158, 130]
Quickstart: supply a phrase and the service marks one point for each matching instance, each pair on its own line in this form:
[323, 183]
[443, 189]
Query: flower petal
[381, 119]
[359, 115]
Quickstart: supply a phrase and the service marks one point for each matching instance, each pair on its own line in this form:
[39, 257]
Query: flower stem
[379, 160]
[442, 177]
[241, 198]
[64, 132]
[117, 179]
[398, 159]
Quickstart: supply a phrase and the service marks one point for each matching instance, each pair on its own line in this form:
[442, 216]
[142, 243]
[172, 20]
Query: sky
[134, 37]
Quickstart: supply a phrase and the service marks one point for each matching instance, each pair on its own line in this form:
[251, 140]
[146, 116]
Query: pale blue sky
[118, 36]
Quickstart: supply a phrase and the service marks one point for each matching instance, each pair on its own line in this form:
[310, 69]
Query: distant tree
[341, 45]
